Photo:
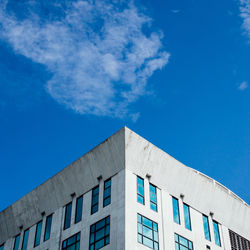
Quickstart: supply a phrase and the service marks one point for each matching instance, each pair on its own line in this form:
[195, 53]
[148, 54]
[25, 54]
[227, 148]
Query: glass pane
[67, 216]
[107, 183]
[139, 218]
[95, 191]
[100, 224]
[206, 227]
[183, 248]
[100, 234]
[25, 239]
[176, 246]
[94, 209]
[107, 230]
[155, 236]
[107, 192]
[147, 222]
[17, 240]
[106, 240]
[71, 240]
[78, 216]
[187, 216]
[140, 228]
[99, 244]
[183, 241]
[48, 227]
[92, 237]
[106, 201]
[156, 246]
[148, 232]
[190, 245]
[78, 246]
[140, 190]
[139, 238]
[140, 181]
[38, 233]
[147, 242]
[140, 199]
[176, 213]
[153, 206]
[155, 227]
[216, 233]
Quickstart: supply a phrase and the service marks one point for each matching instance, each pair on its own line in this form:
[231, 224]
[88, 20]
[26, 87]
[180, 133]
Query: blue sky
[74, 72]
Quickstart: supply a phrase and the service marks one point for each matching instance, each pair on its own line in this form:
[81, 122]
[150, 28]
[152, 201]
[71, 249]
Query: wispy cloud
[243, 86]
[99, 52]
[245, 14]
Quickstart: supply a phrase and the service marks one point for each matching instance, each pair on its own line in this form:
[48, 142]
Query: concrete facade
[124, 156]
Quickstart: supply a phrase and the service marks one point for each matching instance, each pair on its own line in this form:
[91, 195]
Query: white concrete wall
[164, 217]
[116, 210]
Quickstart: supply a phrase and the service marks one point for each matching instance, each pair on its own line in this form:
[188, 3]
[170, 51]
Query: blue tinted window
[48, 227]
[2, 247]
[182, 243]
[107, 193]
[216, 233]
[206, 227]
[78, 213]
[67, 217]
[99, 234]
[25, 239]
[153, 197]
[176, 212]
[187, 216]
[38, 233]
[95, 200]
[147, 232]
[140, 190]
[72, 242]
[16, 244]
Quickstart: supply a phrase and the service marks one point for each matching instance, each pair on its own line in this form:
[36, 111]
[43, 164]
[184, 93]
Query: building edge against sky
[125, 150]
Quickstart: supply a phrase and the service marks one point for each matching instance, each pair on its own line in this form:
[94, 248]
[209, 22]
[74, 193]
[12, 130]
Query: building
[127, 194]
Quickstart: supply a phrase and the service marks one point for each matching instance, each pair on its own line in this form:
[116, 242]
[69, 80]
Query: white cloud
[243, 86]
[245, 14]
[98, 53]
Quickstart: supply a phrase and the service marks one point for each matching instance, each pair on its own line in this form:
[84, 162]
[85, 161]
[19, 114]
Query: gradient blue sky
[73, 72]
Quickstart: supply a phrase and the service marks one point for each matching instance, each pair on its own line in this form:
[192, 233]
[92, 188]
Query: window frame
[45, 229]
[151, 201]
[104, 237]
[138, 194]
[142, 235]
[180, 244]
[218, 232]
[104, 189]
[15, 242]
[97, 203]
[189, 216]
[209, 233]
[178, 210]
[77, 235]
[77, 209]
[36, 235]
[67, 216]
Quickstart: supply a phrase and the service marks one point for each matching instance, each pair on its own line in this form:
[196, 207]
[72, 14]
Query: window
[147, 232]
[38, 233]
[95, 199]
[16, 243]
[72, 243]
[206, 227]
[78, 214]
[216, 233]
[176, 212]
[25, 239]
[107, 193]
[140, 190]
[182, 243]
[2, 247]
[153, 197]
[99, 234]
[67, 217]
[187, 219]
[47, 227]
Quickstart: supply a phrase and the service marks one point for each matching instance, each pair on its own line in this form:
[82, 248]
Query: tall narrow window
[147, 232]
[140, 190]
[107, 193]
[206, 227]
[95, 200]
[38, 233]
[176, 212]
[25, 239]
[99, 234]
[67, 217]
[2, 247]
[72, 243]
[216, 233]
[47, 227]
[16, 243]
[187, 219]
[78, 213]
[153, 197]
